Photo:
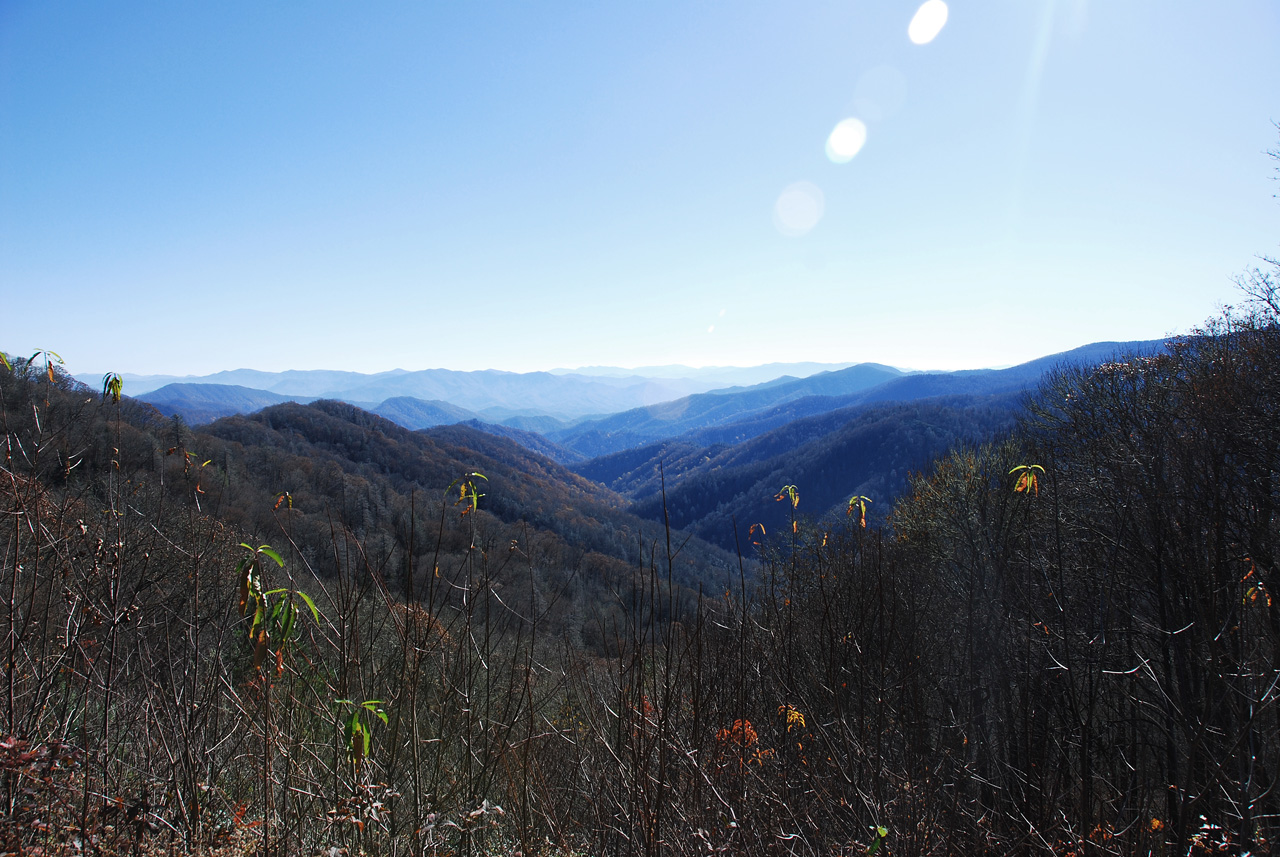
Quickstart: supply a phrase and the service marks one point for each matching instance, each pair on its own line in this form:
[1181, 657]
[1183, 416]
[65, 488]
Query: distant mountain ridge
[717, 376]
[416, 414]
[671, 419]
[732, 416]
[490, 393]
[598, 410]
[204, 403]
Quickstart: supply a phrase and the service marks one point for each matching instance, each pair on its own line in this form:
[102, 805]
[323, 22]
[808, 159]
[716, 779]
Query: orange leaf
[260, 650]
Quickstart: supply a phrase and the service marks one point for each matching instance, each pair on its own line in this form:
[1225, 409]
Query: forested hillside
[312, 629]
[858, 451]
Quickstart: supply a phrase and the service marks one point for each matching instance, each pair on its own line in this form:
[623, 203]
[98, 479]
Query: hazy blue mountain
[494, 394]
[541, 425]
[204, 403]
[671, 419]
[734, 415]
[597, 410]
[712, 377]
[567, 393]
[1024, 376]
[137, 385]
[416, 414]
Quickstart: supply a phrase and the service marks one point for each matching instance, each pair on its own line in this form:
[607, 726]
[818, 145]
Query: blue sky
[191, 187]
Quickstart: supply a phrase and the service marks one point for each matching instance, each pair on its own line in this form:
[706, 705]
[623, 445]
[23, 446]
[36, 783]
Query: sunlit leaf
[315, 614]
[373, 705]
[881, 833]
[1027, 481]
[112, 384]
[789, 492]
[860, 503]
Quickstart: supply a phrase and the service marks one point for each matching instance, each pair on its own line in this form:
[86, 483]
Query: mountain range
[705, 461]
[598, 410]
[489, 394]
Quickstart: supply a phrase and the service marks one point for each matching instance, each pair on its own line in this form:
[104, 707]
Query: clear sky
[189, 187]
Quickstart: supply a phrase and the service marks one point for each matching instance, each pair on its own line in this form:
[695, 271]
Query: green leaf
[266, 549]
[112, 384]
[315, 614]
[353, 725]
[290, 614]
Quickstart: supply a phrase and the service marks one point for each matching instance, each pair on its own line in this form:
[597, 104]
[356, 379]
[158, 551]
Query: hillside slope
[862, 450]
[301, 445]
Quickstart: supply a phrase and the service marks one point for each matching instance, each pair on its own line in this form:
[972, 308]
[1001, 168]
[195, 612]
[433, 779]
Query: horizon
[637, 372]
[726, 186]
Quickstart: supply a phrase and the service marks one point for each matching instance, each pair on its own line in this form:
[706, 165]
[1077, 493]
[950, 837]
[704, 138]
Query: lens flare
[928, 21]
[798, 209]
[846, 140]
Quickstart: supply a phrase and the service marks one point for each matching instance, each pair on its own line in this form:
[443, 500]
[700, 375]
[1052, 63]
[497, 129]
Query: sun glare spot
[798, 209]
[711, 329]
[846, 140]
[928, 21]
